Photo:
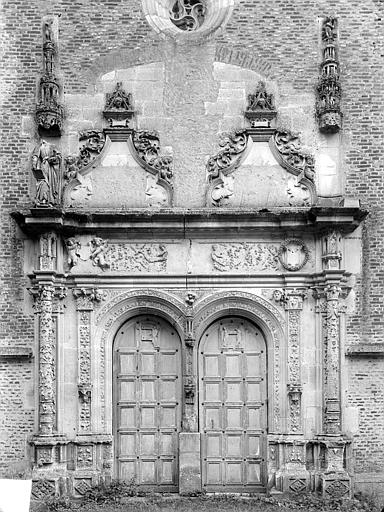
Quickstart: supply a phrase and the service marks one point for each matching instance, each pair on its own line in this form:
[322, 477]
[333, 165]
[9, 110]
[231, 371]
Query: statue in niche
[47, 170]
[73, 248]
[98, 246]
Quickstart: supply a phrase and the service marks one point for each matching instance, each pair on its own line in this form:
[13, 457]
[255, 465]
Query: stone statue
[98, 246]
[47, 169]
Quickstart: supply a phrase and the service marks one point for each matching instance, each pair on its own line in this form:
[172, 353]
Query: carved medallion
[293, 254]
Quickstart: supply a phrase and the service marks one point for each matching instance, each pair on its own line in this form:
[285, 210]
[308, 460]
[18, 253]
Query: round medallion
[293, 254]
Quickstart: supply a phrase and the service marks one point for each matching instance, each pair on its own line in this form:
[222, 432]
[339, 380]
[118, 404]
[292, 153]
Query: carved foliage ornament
[147, 146]
[224, 163]
[245, 256]
[328, 89]
[287, 149]
[49, 112]
[187, 15]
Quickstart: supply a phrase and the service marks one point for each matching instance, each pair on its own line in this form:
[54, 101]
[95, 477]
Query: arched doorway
[232, 406]
[147, 402]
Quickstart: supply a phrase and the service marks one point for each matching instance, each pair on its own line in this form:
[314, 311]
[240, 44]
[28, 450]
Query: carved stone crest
[118, 108]
[293, 254]
[261, 108]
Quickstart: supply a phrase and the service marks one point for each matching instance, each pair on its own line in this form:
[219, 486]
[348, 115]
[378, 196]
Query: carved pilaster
[331, 307]
[85, 299]
[45, 308]
[293, 302]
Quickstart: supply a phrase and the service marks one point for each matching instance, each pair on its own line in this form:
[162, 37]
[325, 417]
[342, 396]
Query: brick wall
[282, 39]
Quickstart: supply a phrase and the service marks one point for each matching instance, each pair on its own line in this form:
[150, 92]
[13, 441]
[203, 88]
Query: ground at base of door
[223, 503]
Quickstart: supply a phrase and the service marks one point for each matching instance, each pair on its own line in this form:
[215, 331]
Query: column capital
[87, 297]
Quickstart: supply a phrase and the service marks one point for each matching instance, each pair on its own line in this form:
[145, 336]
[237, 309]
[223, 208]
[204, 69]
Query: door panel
[232, 396]
[147, 400]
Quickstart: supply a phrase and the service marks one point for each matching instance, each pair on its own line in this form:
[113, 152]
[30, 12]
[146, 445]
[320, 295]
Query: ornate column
[47, 360]
[85, 299]
[330, 295]
[287, 454]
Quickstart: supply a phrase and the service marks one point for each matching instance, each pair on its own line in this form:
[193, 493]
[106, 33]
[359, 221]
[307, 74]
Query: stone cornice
[183, 222]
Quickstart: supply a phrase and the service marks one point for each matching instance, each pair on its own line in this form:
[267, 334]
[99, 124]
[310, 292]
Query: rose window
[188, 15]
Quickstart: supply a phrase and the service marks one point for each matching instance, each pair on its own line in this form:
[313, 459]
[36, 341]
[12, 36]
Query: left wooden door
[147, 403]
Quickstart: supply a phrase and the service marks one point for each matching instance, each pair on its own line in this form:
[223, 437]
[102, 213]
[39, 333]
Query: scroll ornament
[147, 146]
[287, 149]
[221, 165]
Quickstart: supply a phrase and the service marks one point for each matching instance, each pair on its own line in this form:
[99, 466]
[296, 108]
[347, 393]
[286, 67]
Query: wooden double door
[232, 404]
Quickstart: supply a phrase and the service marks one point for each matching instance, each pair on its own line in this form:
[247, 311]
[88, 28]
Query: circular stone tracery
[187, 19]
[188, 14]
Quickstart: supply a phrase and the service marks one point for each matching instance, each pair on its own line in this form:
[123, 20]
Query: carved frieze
[138, 257]
[49, 111]
[328, 88]
[287, 149]
[261, 107]
[245, 256]
[293, 254]
[48, 173]
[118, 108]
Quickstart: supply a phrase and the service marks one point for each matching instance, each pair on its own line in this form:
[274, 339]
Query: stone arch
[244, 58]
[268, 318]
[108, 320]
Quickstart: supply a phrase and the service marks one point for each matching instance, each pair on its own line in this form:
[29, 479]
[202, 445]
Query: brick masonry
[278, 39]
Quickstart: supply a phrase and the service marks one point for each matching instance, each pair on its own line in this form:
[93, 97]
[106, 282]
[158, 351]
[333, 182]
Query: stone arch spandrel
[108, 320]
[269, 319]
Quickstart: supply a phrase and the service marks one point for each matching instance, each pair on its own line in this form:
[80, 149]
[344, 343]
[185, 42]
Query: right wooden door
[232, 406]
